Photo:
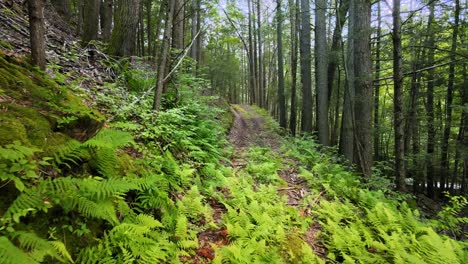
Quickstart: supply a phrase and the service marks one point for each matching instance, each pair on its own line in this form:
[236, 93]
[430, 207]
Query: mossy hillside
[36, 111]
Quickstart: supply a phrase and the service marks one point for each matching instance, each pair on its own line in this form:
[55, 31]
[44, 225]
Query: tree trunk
[347, 128]
[377, 85]
[63, 8]
[166, 49]
[125, 29]
[363, 86]
[162, 9]
[305, 51]
[178, 22]
[398, 119]
[294, 18]
[449, 101]
[430, 106]
[106, 13]
[37, 32]
[149, 26]
[335, 49]
[252, 66]
[193, 29]
[90, 21]
[279, 35]
[261, 77]
[321, 59]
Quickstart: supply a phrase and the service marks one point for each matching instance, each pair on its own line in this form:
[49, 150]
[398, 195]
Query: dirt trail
[249, 130]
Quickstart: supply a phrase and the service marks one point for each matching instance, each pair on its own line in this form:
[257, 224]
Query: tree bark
[166, 49]
[363, 86]
[106, 13]
[261, 77]
[279, 35]
[398, 115]
[294, 18]
[305, 51]
[430, 107]
[347, 122]
[37, 32]
[448, 103]
[149, 26]
[178, 25]
[90, 21]
[321, 59]
[63, 8]
[125, 29]
[377, 85]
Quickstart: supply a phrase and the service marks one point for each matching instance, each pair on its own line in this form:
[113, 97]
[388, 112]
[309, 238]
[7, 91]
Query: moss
[39, 103]
[53, 142]
[12, 129]
[5, 45]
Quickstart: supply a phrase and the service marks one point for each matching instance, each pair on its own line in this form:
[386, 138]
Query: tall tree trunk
[149, 26]
[335, 49]
[166, 49]
[279, 35]
[193, 29]
[462, 138]
[363, 86]
[125, 29]
[294, 18]
[377, 84]
[347, 122]
[63, 8]
[179, 22]
[106, 14]
[261, 77]
[306, 71]
[37, 32]
[449, 101]
[321, 58]
[398, 119]
[91, 21]
[161, 17]
[430, 106]
[252, 65]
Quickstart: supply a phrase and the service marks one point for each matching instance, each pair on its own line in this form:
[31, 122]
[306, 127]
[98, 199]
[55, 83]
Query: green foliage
[263, 165]
[449, 220]
[99, 152]
[17, 164]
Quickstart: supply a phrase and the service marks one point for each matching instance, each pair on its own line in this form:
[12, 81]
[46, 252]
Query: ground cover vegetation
[141, 131]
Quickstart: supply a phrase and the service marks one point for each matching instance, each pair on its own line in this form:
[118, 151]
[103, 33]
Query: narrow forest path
[249, 130]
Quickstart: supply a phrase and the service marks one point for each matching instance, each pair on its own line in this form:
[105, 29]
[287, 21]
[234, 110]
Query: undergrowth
[142, 190]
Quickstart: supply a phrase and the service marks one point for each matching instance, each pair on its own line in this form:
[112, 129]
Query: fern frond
[10, 254]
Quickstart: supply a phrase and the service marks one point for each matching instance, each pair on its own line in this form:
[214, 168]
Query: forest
[250, 131]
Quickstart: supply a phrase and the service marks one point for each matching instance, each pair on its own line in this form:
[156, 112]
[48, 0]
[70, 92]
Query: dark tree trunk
[430, 107]
[321, 59]
[335, 49]
[377, 85]
[306, 71]
[252, 65]
[149, 26]
[294, 18]
[106, 13]
[398, 115]
[363, 86]
[63, 8]
[90, 21]
[125, 29]
[449, 101]
[279, 35]
[37, 32]
[347, 122]
[261, 77]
